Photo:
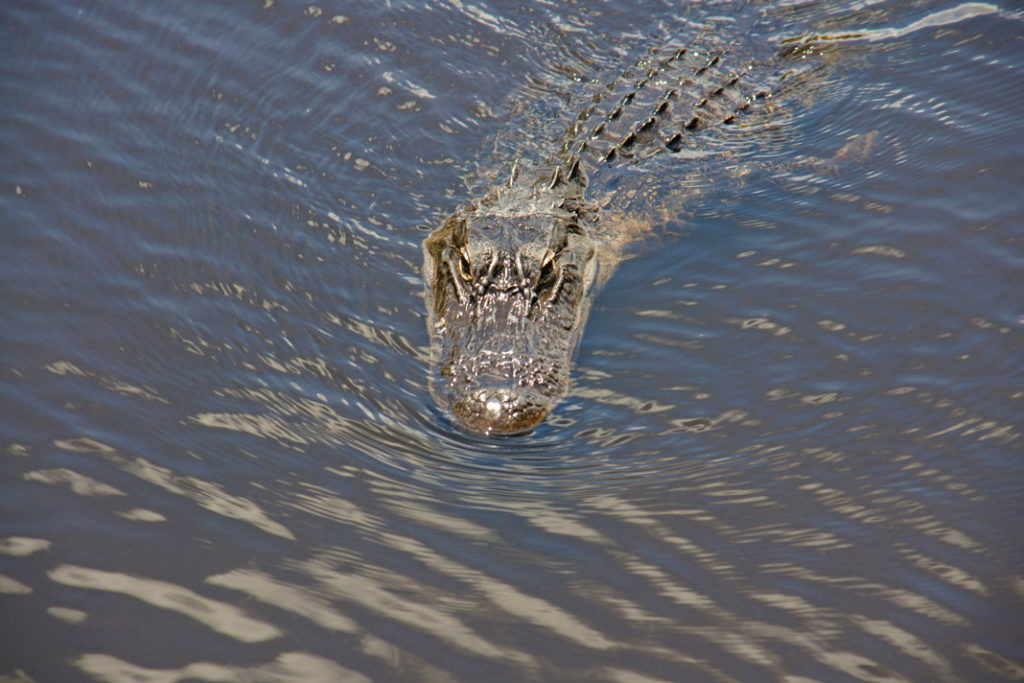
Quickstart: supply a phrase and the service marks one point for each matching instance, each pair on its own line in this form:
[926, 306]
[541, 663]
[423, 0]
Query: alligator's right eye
[547, 276]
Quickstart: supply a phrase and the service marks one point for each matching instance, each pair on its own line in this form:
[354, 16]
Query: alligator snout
[500, 410]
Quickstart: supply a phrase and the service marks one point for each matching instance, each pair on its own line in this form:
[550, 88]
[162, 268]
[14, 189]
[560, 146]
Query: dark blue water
[792, 449]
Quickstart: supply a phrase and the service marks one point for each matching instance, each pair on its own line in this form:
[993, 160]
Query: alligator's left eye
[465, 267]
[549, 257]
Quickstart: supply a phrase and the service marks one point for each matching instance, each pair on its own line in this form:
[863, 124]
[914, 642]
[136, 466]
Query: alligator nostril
[492, 407]
[499, 411]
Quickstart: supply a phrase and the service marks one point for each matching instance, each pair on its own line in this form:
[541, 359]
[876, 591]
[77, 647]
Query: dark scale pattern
[663, 100]
[653, 116]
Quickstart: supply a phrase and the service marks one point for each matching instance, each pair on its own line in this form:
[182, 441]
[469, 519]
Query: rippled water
[792, 449]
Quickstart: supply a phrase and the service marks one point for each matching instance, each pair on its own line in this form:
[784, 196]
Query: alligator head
[508, 289]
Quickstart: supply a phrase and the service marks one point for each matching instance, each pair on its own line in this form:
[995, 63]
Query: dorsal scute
[658, 104]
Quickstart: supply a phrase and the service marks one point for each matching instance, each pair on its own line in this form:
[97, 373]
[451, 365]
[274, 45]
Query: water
[792, 450]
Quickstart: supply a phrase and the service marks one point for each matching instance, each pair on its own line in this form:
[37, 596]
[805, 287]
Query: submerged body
[510, 276]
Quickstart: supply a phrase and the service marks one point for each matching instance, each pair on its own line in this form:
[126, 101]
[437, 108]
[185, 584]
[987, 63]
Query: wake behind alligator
[510, 276]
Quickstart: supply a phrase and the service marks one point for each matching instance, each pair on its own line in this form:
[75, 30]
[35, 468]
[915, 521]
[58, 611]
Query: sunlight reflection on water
[790, 450]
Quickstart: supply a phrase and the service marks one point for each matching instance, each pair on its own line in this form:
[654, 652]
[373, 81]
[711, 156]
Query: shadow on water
[791, 449]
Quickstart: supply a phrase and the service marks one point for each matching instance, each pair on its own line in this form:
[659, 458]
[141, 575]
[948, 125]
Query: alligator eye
[465, 267]
[547, 276]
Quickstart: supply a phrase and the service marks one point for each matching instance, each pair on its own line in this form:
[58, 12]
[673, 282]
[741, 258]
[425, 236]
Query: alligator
[510, 276]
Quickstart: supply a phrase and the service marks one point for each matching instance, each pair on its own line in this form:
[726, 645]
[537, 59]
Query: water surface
[792, 448]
